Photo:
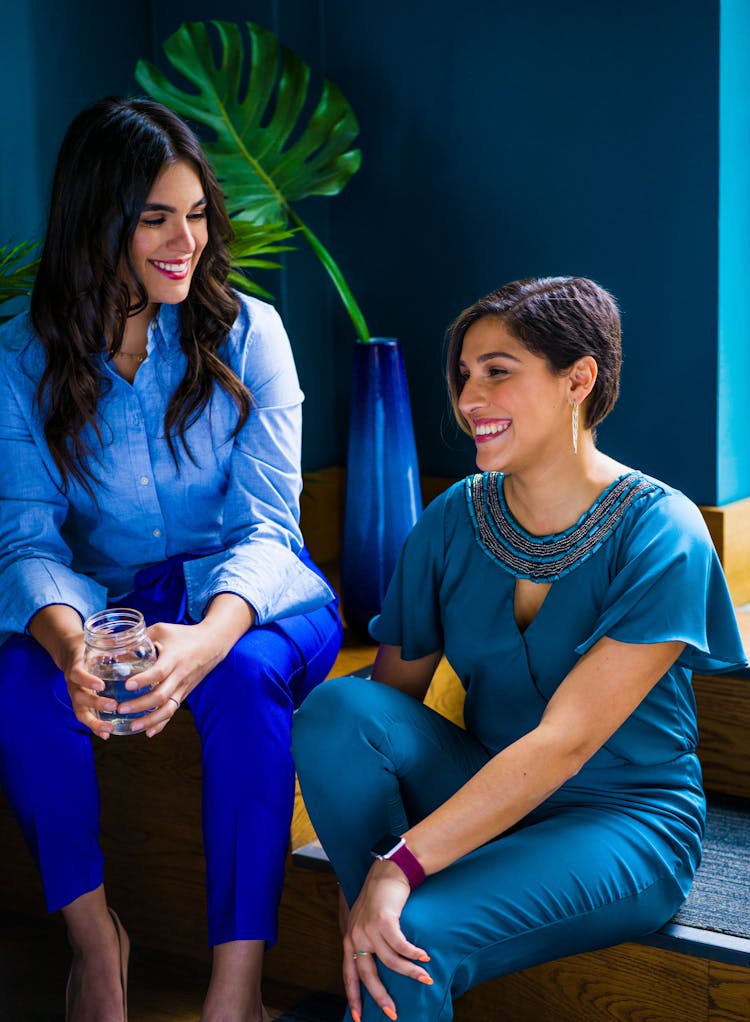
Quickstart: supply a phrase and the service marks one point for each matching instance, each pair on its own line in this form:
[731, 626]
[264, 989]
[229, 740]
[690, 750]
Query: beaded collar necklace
[545, 558]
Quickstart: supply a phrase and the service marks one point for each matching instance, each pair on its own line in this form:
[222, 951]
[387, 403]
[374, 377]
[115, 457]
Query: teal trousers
[585, 870]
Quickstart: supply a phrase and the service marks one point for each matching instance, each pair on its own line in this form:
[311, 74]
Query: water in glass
[118, 647]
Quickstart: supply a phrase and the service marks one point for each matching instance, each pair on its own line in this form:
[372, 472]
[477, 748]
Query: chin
[172, 296]
[491, 465]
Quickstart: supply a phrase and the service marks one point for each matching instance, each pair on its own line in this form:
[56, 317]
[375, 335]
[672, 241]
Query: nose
[471, 397]
[183, 239]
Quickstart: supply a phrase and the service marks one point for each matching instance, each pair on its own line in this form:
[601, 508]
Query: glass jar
[117, 647]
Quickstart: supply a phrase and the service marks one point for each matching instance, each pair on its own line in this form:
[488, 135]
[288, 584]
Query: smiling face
[518, 409]
[171, 234]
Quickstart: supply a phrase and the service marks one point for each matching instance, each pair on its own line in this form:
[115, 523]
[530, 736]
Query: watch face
[387, 843]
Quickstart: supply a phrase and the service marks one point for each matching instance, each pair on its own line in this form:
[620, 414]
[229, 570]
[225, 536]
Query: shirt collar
[164, 329]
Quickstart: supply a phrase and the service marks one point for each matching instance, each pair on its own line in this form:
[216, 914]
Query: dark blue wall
[523, 139]
[54, 59]
[499, 141]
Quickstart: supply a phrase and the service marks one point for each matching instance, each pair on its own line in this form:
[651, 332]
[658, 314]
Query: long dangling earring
[574, 425]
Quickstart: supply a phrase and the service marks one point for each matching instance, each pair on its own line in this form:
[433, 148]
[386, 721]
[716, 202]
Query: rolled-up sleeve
[260, 531]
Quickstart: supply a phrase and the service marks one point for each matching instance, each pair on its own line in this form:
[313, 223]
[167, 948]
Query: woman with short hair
[573, 596]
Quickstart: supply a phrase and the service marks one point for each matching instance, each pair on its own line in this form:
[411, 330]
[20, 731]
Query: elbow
[574, 762]
[569, 752]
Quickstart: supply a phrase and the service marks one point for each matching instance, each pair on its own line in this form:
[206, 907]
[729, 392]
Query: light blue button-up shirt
[237, 506]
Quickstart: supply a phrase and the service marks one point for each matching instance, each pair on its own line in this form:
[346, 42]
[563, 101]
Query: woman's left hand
[374, 927]
[186, 655]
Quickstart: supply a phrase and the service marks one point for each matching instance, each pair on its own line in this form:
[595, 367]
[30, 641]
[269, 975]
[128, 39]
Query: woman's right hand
[373, 934]
[59, 630]
[82, 689]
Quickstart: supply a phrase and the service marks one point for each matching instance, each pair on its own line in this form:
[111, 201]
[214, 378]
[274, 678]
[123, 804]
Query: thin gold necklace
[136, 358]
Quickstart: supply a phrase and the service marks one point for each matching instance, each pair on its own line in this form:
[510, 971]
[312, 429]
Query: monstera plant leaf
[251, 244]
[17, 271]
[252, 105]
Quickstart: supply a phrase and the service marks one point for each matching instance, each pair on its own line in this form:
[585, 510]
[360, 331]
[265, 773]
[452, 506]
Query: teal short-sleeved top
[639, 566]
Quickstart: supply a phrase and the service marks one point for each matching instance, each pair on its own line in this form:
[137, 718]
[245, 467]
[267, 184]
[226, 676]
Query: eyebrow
[489, 355]
[159, 207]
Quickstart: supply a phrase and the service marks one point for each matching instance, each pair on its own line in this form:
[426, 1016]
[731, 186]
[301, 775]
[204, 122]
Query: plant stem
[350, 303]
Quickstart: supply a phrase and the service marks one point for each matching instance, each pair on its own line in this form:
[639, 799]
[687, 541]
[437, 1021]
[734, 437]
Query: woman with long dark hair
[150, 438]
[573, 596]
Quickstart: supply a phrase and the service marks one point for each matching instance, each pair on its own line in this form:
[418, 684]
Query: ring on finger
[360, 954]
[175, 701]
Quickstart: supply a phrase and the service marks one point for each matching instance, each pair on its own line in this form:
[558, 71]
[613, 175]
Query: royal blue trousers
[243, 712]
[586, 870]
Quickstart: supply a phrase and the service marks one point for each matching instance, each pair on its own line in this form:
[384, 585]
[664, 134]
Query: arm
[410, 676]
[261, 538]
[602, 690]
[598, 695]
[35, 561]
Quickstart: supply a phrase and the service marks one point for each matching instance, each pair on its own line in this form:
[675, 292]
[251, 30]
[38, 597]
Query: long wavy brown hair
[109, 159]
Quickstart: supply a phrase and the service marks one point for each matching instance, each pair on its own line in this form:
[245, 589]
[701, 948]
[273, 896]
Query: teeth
[171, 267]
[490, 428]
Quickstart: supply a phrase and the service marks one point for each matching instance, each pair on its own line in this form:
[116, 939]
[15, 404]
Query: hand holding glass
[118, 647]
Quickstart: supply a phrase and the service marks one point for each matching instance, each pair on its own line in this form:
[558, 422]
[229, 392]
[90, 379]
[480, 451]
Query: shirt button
[143, 480]
[157, 533]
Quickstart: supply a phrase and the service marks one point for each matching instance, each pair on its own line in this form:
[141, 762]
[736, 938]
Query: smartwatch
[393, 848]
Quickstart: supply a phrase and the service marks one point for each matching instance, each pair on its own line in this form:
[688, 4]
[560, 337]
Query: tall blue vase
[383, 496]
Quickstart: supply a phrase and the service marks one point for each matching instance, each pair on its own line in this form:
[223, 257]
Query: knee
[246, 680]
[421, 924]
[335, 700]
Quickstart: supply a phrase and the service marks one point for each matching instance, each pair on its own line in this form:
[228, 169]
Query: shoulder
[665, 515]
[17, 337]
[664, 502]
[257, 346]
[256, 322]
[442, 517]
[257, 349]
[448, 504]
[22, 357]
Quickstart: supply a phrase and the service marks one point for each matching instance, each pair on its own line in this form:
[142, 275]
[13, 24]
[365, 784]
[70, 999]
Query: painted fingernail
[355, 1016]
[390, 1013]
[427, 980]
[424, 958]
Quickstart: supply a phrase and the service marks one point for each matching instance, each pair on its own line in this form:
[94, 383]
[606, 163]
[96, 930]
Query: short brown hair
[560, 318]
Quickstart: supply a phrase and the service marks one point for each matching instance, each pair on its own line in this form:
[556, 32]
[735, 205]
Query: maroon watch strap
[408, 863]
